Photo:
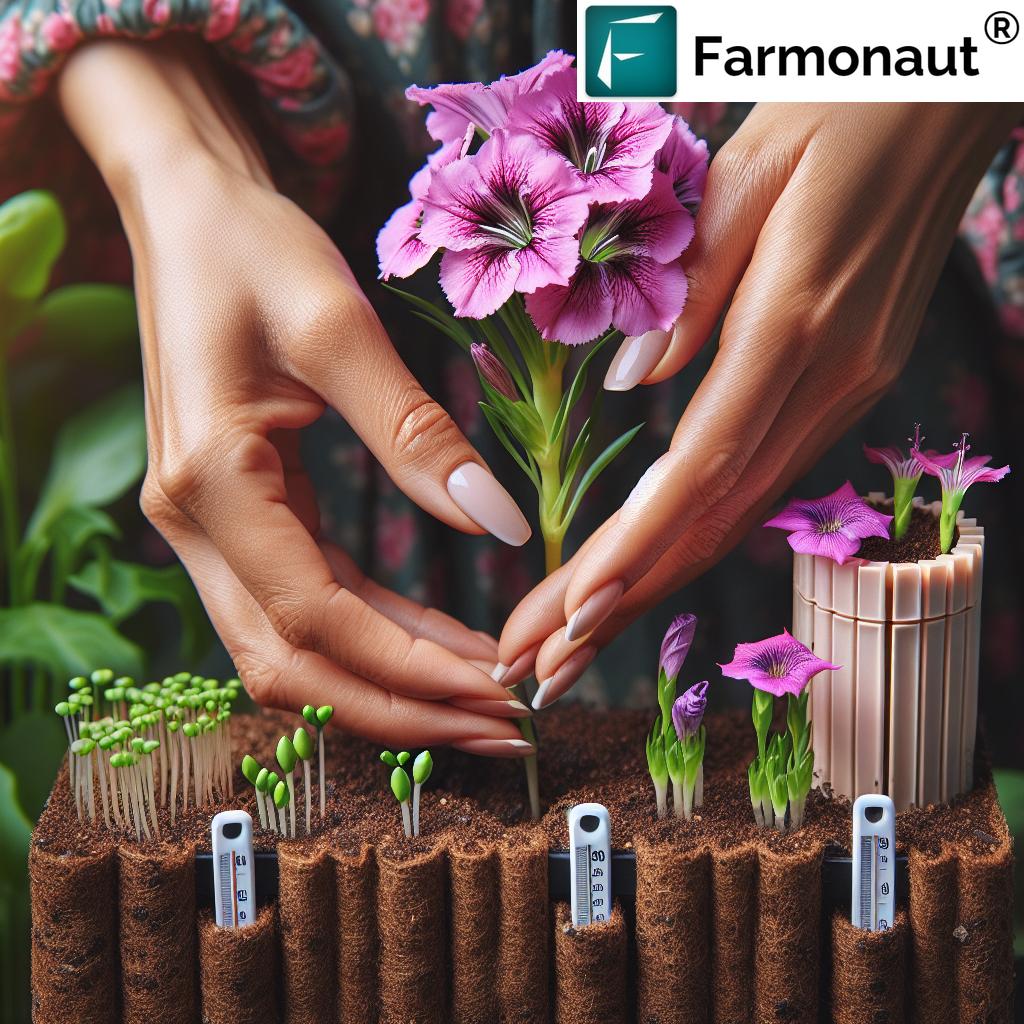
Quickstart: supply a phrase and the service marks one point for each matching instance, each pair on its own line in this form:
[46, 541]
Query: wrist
[155, 118]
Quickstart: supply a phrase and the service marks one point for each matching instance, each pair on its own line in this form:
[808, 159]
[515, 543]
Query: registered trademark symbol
[1002, 27]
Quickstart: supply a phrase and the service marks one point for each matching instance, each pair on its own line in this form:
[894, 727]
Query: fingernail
[488, 504]
[567, 673]
[497, 708]
[521, 668]
[496, 748]
[499, 672]
[594, 610]
[636, 358]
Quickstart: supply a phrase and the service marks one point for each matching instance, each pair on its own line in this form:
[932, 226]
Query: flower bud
[493, 370]
[676, 644]
[688, 710]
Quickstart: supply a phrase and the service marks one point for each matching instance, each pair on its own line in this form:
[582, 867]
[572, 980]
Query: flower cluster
[583, 208]
[780, 776]
[835, 525]
[675, 746]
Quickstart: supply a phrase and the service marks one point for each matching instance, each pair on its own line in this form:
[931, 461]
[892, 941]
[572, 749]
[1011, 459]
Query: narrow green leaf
[454, 329]
[88, 321]
[596, 468]
[32, 235]
[572, 464]
[437, 325]
[494, 420]
[572, 396]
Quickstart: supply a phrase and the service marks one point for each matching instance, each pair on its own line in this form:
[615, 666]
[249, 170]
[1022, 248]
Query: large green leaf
[122, 588]
[98, 456]
[87, 320]
[32, 746]
[64, 641]
[32, 235]
[15, 831]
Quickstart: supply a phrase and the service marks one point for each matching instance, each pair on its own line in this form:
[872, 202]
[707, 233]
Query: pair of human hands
[823, 230]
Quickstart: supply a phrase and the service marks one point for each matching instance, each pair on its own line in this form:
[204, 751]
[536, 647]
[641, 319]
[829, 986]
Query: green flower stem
[904, 489]
[947, 518]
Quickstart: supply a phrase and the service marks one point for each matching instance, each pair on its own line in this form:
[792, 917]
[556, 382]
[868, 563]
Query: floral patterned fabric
[328, 73]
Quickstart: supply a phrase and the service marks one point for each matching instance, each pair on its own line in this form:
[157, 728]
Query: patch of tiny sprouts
[402, 789]
[134, 747]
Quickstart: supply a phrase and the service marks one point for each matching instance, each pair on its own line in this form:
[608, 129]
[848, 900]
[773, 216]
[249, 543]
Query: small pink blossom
[458, 104]
[461, 15]
[904, 466]
[60, 32]
[832, 526]
[611, 146]
[507, 218]
[777, 665]
[222, 19]
[629, 275]
[156, 11]
[296, 70]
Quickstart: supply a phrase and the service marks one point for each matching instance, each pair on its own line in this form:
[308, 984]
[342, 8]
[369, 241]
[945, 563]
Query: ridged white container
[901, 714]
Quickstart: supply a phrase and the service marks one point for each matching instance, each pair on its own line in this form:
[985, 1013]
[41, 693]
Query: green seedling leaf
[400, 785]
[281, 795]
[78, 683]
[656, 754]
[303, 744]
[309, 714]
[251, 768]
[403, 757]
[286, 754]
[272, 780]
[389, 759]
[324, 714]
[262, 780]
[422, 767]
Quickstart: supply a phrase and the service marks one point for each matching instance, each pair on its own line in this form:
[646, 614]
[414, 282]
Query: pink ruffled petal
[576, 313]
[646, 294]
[478, 281]
[400, 252]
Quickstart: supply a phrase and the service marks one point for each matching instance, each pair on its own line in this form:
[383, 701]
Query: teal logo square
[630, 51]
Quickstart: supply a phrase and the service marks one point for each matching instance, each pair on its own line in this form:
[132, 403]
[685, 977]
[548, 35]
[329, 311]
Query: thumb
[358, 372]
[742, 188]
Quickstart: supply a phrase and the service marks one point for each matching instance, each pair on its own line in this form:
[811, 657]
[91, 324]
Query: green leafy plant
[65, 595]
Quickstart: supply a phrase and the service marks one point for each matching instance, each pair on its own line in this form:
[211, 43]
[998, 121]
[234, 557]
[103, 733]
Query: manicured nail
[594, 610]
[561, 682]
[496, 748]
[488, 504]
[636, 358]
[496, 708]
[499, 672]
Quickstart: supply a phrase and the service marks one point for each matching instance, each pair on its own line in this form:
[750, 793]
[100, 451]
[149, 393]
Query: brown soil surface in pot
[470, 802]
[921, 540]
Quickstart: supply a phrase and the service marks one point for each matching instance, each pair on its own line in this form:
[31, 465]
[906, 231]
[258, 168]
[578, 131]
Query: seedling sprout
[421, 769]
[286, 758]
[303, 746]
[318, 718]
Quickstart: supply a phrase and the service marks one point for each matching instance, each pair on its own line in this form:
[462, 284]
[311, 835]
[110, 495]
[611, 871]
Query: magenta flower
[507, 218]
[629, 274]
[955, 477]
[832, 526]
[684, 158]
[956, 472]
[611, 146]
[688, 710]
[906, 466]
[777, 665]
[484, 107]
[493, 370]
[676, 645]
[400, 251]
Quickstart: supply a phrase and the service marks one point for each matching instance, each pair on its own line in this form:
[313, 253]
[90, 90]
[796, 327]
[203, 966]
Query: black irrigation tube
[836, 878]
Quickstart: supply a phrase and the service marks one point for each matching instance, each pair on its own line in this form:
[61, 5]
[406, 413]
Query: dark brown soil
[585, 755]
[921, 540]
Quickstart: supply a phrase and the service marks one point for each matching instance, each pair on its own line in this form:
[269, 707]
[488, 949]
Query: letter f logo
[630, 51]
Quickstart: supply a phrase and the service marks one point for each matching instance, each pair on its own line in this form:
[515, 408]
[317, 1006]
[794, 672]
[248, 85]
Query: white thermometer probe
[234, 876]
[873, 901]
[590, 863]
